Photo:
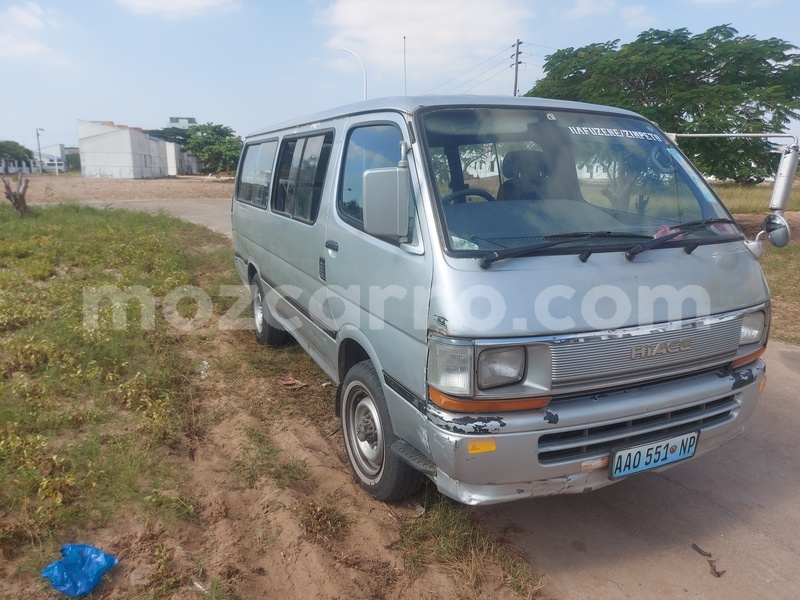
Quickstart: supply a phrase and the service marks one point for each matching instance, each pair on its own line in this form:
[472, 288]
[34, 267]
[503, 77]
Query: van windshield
[512, 177]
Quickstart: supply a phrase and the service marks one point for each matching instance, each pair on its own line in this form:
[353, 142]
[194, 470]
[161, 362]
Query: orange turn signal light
[461, 405]
[749, 358]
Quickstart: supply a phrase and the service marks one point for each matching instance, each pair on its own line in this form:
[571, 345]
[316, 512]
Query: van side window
[302, 166]
[368, 147]
[255, 180]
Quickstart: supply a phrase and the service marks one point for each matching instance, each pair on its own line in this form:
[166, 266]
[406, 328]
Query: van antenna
[405, 74]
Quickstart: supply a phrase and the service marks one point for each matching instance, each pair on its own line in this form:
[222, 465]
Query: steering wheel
[460, 196]
[661, 160]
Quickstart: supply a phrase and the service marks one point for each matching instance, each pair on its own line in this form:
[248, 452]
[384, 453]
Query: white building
[12, 167]
[179, 161]
[55, 152]
[119, 151]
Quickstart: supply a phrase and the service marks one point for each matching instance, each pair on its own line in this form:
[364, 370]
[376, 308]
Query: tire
[266, 329]
[368, 437]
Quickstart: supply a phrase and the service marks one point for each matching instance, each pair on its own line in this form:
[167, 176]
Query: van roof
[410, 104]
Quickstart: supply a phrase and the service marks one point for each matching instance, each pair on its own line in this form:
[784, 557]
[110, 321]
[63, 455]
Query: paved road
[634, 540]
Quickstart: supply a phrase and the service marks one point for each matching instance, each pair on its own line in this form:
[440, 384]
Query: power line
[485, 80]
[470, 69]
[494, 67]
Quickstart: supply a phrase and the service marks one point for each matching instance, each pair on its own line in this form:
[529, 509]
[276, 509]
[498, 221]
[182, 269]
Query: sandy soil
[69, 186]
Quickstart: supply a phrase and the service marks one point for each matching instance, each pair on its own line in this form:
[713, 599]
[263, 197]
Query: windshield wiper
[679, 230]
[552, 240]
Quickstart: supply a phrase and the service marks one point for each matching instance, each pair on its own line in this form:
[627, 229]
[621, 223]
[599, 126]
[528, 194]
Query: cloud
[638, 17]
[178, 9]
[22, 28]
[442, 36]
[587, 8]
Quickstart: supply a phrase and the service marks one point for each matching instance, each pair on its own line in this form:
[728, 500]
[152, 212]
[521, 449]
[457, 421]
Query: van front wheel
[265, 327]
[368, 437]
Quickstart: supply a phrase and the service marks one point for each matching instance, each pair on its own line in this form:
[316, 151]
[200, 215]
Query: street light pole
[362, 69]
[39, 147]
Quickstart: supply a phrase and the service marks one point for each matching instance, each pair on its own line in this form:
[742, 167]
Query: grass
[87, 415]
[91, 410]
[447, 533]
[323, 521]
[259, 458]
[752, 199]
[781, 269]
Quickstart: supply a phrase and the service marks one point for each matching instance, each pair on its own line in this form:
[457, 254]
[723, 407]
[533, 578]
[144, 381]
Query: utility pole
[39, 146]
[516, 65]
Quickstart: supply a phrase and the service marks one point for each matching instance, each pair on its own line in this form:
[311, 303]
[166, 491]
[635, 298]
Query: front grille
[592, 442]
[615, 359]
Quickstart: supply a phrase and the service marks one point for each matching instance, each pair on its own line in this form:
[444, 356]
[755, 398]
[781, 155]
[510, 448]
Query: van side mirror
[777, 231]
[385, 199]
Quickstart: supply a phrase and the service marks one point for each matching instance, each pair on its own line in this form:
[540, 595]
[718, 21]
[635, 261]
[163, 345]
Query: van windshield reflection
[513, 178]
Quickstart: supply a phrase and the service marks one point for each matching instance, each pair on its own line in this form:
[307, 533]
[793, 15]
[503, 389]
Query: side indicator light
[481, 446]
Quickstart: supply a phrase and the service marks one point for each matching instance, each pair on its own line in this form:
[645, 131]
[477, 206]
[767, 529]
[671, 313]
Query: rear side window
[255, 180]
[301, 171]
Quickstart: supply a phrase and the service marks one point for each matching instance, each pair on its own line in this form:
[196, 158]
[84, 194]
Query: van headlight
[451, 365]
[500, 366]
[754, 328]
[752, 337]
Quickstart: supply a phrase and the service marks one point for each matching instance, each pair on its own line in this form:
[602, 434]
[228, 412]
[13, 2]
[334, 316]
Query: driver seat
[525, 173]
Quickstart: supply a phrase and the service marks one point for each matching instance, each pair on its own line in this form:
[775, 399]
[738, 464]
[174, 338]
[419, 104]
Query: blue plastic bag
[80, 569]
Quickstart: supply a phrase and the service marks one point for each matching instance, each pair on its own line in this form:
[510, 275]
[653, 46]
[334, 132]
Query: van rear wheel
[368, 437]
[266, 328]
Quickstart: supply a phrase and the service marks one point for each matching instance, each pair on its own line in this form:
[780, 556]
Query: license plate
[644, 457]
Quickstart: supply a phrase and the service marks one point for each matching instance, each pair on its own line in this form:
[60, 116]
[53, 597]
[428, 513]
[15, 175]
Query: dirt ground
[249, 541]
[251, 538]
[71, 186]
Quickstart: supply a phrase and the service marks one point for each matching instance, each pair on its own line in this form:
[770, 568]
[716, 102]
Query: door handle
[332, 245]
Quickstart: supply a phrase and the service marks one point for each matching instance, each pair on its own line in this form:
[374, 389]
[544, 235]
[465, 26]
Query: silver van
[516, 297]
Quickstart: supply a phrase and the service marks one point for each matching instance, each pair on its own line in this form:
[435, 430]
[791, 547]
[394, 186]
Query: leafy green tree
[177, 135]
[14, 151]
[73, 162]
[216, 146]
[712, 82]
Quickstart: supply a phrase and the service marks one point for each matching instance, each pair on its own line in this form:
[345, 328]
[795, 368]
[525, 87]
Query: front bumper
[486, 459]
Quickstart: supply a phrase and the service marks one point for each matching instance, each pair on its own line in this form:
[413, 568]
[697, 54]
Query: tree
[73, 162]
[713, 82]
[17, 196]
[14, 151]
[177, 135]
[216, 146]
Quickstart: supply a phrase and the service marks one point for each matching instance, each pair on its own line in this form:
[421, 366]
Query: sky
[251, 63]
